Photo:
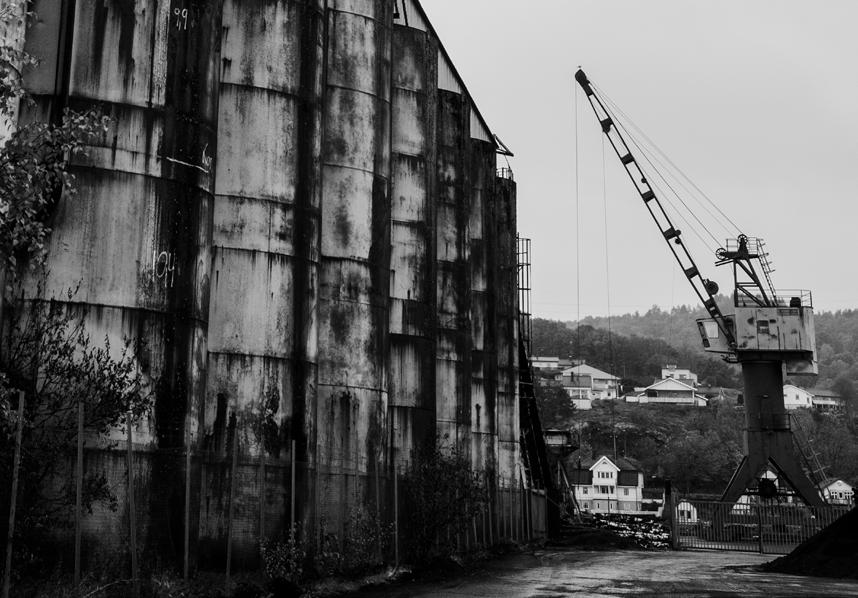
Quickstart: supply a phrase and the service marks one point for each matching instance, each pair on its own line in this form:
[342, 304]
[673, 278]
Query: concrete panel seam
[272, 356]
[277, 91]
[355, 168]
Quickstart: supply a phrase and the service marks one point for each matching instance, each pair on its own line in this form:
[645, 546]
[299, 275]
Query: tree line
[635, 358]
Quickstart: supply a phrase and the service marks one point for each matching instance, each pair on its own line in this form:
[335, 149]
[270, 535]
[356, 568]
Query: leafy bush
[442, 495]
[283, 561]
[365, 541]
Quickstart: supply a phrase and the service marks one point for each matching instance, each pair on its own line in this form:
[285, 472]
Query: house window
[585, 490]
[625, 491]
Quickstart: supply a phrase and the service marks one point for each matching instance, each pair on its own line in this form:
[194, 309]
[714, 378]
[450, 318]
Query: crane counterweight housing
[766, 333]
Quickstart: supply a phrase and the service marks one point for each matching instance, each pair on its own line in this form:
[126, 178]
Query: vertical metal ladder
[805, 448]
[767, 266]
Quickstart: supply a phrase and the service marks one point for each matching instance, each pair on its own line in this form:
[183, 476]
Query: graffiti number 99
[181, 15]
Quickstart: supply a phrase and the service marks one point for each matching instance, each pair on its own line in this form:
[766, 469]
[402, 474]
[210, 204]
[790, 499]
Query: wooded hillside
[698, 448]
[636, 336]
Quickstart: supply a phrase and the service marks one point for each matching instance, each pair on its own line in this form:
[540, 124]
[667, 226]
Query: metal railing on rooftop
[783, 298]
[505, 173]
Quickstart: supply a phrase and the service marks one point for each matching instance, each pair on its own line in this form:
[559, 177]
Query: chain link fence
[180, 511]
[749, 527]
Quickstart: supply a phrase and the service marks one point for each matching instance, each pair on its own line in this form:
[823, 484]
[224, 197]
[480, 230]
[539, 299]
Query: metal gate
[770, 529]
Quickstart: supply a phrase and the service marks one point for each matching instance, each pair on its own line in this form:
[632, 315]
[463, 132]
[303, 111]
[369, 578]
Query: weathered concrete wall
[483, 276]
[506, 317]
[453, 356]
[262, 335]
[296, 208]
[354, 279]
[413, 272]
[136, 237]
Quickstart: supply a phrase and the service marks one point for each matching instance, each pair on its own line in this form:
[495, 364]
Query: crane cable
[577, 234]
[611, 362]
[611, 356]
[665, 196]
[679, 171]
[659, 151]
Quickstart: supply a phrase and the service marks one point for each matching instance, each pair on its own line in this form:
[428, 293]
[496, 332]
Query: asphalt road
[566, 572]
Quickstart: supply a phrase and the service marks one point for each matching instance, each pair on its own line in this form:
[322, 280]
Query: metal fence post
[491, 517]
[78, 495]
[186, 561]
[760, 527]
[232, 485]
[262, 494]
[292, 492]
[670, 505]
[395, 518]
[13, 499]
[132, 510]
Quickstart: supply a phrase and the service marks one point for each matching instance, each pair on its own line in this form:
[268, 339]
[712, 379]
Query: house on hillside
[653, 500]
[606, 484]
[671, 372]
[823, 400]
[669, 391]
[584, 384]
[544, 363]
[797, 398]
[827, 401]
[837, 492]
[558, 438]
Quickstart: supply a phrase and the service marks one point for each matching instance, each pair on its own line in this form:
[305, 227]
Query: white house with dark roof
[670, 392]
[607, 485]
[584, 384]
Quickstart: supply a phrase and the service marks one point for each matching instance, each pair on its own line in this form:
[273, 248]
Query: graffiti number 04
[164, 267]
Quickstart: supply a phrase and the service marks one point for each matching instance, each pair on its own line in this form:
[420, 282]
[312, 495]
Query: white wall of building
[797, 398]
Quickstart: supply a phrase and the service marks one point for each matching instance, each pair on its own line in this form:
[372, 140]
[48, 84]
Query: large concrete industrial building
[297, 209]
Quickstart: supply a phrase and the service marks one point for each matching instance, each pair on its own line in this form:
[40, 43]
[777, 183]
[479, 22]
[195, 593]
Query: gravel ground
[568, 572]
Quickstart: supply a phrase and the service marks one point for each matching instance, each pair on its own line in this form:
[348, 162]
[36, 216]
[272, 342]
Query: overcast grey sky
[757, 101]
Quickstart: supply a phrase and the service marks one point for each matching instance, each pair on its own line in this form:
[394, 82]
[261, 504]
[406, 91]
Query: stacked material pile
[833, 552]
[646, 532]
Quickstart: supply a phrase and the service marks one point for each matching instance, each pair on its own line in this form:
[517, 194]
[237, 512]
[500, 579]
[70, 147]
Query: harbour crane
[770, 334]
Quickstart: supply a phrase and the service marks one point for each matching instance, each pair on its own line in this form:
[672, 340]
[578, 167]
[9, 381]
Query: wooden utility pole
[13, 499]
